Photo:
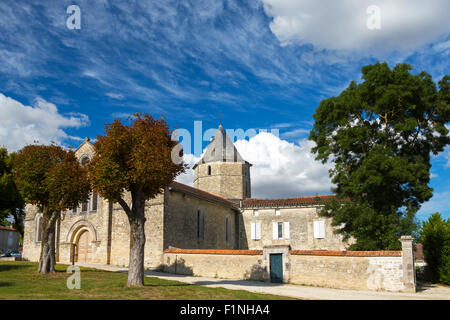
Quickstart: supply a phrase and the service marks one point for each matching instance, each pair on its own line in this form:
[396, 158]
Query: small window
[228, 229]
[255, 213]
[84, 206]
[280, 230]
[200, 225]
[94, 201]
[209, 170]
[85, 160]
[74, 210]
[277, 212]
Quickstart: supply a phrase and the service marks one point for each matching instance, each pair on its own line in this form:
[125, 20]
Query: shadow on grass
[181, 284]
[5, 284]
[8, 267]
[251, 283]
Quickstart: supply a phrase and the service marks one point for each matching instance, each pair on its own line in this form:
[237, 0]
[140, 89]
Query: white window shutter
[258, 231]
[275, 230]
[322, 229]
[253, 234]
[319, 229]
[277, 212]
[286, 230]
[316, 229]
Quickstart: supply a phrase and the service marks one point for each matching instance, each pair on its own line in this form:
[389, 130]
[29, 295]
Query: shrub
[435, 236]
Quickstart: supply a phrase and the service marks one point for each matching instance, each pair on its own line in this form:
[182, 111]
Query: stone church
[218, 212]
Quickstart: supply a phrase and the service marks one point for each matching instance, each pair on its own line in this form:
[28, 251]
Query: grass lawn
[19, 280]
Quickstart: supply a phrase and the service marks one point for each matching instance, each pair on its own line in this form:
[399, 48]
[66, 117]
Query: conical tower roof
[221, 148]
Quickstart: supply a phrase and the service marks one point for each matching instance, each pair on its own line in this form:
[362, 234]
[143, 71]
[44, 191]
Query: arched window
[84, 160]
[39, 229]
[94, 201]
[228, 229]
[85, 206]
[200, 225]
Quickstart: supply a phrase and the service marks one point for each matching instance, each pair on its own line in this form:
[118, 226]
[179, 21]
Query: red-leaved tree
[52, 179]
[134, 158]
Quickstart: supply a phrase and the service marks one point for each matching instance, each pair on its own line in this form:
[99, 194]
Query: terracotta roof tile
[214, 251]
[312, 200]
[7, 228]
[347, 253]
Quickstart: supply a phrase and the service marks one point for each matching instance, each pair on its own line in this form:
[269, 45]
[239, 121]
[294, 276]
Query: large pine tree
[380, 135]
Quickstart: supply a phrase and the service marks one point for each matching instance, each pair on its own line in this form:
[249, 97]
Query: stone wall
[171, 222]
[180, 223]
[31, 248]
[358, 270]
[230, 180]
[301, 222]
[120, 233]
[9, 239]
[226, 264]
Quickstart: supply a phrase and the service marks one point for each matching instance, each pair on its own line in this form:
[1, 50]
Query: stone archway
[83, 235]
[83, 249]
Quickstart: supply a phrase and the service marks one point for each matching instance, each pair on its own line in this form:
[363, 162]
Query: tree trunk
[137, 243]
[47, 258]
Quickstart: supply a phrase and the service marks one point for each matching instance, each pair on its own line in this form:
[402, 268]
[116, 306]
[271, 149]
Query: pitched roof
[418, 252]
[87, 141]
[7, 228]
[180, 187]
[221, 148]
[299, 201]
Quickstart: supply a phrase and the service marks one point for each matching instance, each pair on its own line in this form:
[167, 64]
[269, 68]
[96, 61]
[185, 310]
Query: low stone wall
[358, 270]
[226, 264]
[11, 259]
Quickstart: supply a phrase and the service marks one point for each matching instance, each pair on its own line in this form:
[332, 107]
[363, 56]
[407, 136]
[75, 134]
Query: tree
[134, 158]
[435, 237]
[52, 179]
[11, 202]
[380, 135]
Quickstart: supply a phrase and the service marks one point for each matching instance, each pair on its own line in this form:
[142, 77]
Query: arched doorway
[84, 247]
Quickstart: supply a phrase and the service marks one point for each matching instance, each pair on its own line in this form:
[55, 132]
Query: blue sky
[249, 64]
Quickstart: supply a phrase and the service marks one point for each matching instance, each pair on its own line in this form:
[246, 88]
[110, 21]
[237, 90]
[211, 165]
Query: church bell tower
[222, 170]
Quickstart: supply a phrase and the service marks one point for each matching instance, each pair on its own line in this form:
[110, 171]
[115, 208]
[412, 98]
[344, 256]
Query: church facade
[217, 212]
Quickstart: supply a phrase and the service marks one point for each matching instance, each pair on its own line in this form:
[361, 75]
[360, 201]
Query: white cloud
[342, 25]
[447, 150]
[283, 169]
[116, 96]
[21, 125]
[280, 168]
[438, 203]
[188, 176]
[442, 46]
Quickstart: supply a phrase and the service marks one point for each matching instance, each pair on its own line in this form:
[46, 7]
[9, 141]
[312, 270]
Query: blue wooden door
[276, 268]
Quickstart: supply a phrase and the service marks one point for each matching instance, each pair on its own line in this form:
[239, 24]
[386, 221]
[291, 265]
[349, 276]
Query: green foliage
[11, 202]
[435, 237]
[380, 135]
[49, 176]
[134, 158]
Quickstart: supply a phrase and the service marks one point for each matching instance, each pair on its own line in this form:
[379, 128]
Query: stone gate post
[409, 272]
